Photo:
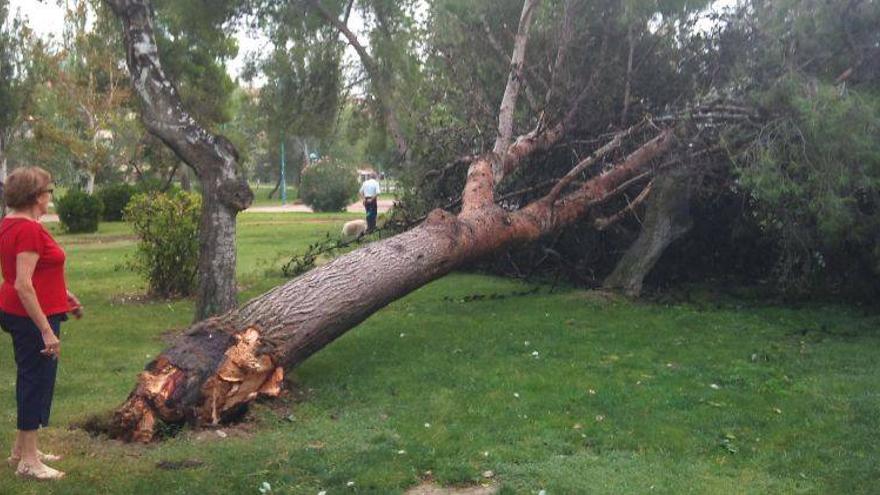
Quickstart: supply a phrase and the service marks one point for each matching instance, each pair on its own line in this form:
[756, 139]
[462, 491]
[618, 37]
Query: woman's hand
[52, 344]
[75, 306]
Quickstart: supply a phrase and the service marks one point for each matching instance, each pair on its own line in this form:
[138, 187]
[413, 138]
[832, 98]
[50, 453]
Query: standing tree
[219, 365]
[211, 156]
[301, 97]
[388, 38]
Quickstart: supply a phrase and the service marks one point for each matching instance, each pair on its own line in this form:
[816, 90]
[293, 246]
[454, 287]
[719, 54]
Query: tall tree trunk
[212, 157]
[90, 182]
[627, 85]
[667, 219]
[185, 182]
[276, 188]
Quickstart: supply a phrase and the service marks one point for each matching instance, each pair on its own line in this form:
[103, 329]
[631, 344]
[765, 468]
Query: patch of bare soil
[429, 488]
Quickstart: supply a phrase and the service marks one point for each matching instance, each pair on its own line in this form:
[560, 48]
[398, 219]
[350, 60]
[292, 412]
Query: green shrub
[328, 185]
[79, 212]
[813, 173]
[168, 250]
[115, 198]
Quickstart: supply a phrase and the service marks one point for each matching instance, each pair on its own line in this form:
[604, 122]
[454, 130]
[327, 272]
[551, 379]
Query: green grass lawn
[569, 391]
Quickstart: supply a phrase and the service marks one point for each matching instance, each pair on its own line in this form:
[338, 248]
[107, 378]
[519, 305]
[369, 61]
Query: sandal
[13, 461]
[38, 473]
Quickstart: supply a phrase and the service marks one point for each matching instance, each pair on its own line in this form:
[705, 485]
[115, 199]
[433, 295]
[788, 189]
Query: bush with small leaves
[168, 250]
[115, 198]
[79, 212]
[328, 185]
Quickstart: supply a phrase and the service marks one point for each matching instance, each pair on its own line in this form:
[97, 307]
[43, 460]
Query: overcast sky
[47, 19]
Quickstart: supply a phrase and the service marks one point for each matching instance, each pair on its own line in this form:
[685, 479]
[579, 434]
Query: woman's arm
[25, 263]
[76, 307]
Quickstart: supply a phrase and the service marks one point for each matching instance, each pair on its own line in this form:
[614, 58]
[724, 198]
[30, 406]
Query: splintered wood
[240, 378]
[155, 387]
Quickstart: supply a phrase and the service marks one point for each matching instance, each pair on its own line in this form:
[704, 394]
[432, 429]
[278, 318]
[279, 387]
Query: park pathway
[383, 206]
[356, 207]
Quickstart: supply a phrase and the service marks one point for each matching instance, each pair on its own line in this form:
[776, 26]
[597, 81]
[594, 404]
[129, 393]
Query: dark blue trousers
[35, 382]
[372, 207]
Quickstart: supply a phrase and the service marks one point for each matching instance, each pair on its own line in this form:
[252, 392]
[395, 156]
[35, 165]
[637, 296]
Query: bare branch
[576, 203]
[462, 160]
[514, 79]
[603, 223]
[486, 172]
[589, 161]
[499, 50]
[564, 39]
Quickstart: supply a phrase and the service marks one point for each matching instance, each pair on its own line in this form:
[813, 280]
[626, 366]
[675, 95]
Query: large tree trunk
[221, 364]
[212, 158]
[667, 218]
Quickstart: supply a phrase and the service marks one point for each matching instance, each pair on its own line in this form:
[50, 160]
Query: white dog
[354, 228]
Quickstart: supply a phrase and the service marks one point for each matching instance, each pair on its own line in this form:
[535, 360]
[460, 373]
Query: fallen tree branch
[603, 223]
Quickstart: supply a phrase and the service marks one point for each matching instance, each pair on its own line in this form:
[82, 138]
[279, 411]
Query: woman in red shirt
[34, 300]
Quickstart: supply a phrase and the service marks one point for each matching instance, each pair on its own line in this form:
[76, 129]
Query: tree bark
[185, 183]
[90, 182]
[212, 157]
[667, 219]
[627, 85]
[276, 188]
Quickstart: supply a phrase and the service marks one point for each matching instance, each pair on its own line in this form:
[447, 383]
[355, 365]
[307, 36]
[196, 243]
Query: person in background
[369, 193]
[34, 300]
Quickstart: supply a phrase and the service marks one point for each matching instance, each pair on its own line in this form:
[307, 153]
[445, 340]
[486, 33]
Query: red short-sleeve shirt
[19, 235]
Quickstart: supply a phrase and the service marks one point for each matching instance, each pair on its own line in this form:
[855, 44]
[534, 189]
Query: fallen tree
[216, 367]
